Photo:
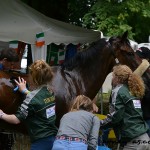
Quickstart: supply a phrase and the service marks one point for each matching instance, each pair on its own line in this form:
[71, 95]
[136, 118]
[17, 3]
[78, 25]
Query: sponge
[142, 67]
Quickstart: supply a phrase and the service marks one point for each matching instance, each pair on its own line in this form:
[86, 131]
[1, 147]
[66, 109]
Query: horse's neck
[92, 76]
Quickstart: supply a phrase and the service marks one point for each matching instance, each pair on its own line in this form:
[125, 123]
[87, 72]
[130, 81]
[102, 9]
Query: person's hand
[1, 114]
[21, 83]
[95, 108]
[1, 111]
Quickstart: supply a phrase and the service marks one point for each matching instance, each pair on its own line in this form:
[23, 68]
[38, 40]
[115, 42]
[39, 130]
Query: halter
[113, 53]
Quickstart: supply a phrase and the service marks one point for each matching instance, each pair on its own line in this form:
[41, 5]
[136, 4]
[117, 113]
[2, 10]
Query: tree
[113, 17]
[71, 11]
[56, 9]
[77, 9]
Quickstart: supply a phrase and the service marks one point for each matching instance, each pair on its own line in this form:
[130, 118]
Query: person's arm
[9, 118]
[12, 118]
[95, 108]
[93, 136]
[116, 116]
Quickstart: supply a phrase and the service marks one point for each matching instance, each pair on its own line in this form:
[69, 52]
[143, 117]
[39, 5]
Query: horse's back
[10, 100]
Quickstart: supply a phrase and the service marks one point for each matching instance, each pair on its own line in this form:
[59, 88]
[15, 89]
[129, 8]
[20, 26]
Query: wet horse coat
[83, 74]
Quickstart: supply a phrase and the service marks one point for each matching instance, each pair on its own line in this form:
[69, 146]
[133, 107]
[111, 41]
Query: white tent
[144, 45]
[134, 45]
[20, 22]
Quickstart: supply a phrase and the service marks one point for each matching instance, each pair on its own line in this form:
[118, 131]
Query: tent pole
[101, 99]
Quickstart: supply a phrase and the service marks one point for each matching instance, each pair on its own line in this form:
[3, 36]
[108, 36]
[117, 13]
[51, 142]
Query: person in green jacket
[125, 110]
[38, 109]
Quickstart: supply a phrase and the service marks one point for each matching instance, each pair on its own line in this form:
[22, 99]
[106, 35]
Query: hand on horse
[95, 108]
[1, 114]
[21, 83]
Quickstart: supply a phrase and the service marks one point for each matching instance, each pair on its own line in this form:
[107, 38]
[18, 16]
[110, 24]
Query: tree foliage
[71, 11]
[113, 17]
[77, 9]
[56, 9]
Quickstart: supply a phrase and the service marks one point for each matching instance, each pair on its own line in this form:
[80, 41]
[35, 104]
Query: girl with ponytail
[126, 116]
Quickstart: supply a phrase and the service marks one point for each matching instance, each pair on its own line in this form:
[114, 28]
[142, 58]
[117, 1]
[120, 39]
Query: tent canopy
[21, 22]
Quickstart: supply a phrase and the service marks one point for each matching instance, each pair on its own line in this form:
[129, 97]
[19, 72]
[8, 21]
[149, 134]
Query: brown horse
[127, 55]
[130, 58]
[82, 74]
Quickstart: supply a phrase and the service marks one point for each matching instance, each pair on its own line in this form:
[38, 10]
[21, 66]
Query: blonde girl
[79, 128]
[37, 111]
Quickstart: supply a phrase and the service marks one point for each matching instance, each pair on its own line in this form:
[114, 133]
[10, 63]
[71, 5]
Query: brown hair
[41, 72]
[134, 82]
[10, 54]
[82, 102]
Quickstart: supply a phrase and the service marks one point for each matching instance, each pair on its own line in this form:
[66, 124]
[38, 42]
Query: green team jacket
[38, 113]
[125, 115]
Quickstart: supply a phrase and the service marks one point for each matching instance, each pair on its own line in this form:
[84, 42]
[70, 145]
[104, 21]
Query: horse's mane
[84, 58]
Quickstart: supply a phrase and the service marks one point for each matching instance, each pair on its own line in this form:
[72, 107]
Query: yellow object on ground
[111, 134]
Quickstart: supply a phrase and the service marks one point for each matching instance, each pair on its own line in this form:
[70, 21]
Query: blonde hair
[41, 72]
[134, 81]
[82, 102]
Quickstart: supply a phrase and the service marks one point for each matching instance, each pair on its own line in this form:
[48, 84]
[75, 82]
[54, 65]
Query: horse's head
[125, 54]
[123, 51]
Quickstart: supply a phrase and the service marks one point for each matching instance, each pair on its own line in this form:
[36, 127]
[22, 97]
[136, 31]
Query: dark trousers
[43, 144]
[6, 141]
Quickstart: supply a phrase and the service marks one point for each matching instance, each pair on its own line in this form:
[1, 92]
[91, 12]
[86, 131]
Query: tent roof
[144, 45]
[20, 22]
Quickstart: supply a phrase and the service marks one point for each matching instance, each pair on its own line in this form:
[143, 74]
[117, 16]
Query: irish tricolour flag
[40, 39]
[14, 44]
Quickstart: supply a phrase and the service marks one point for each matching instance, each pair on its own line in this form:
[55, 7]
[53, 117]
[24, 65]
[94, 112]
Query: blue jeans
[43, 144]
[69, 145]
